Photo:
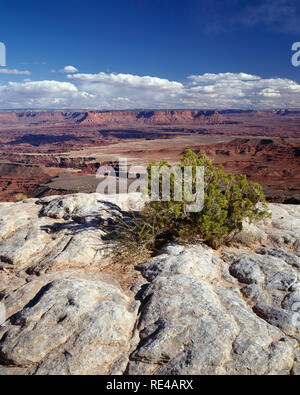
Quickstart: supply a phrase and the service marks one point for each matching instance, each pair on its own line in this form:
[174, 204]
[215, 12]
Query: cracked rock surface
[72, 325]
[193, 310]
[58, 232]
[194, 323]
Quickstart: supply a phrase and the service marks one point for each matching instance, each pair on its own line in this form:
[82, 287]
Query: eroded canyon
[58, 152]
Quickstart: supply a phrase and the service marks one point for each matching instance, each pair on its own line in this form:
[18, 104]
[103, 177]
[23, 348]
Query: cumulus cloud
[138, 91]
[128, 81]
[209, 77]
[68, 69]
[42, 94]
[15, 72]
[244, 90]
[270, 92]
[123, 91]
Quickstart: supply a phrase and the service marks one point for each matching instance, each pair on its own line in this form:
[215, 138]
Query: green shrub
[228, 201]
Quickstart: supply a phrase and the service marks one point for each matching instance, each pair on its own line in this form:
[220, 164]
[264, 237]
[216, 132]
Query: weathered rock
[296, 368]
[15, 299]
[271, 271]
[83, 205]
[191, 325]
[199, 313]
[271, 292]
[71, 325]
[247, 271]
[292, 301]
[197, 261]
[287, 321]
[253, 293]
[56, 233]
[290, 259]
[282, 230]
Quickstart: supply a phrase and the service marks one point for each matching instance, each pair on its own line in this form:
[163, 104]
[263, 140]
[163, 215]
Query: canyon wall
[99, 118]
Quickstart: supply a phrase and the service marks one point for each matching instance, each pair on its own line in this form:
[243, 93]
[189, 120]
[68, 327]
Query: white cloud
[15, 72]
[42, 94]
[121, 99]
[69, 69]
[209, 77]
[128, 81]
[243, 90]
[270, 92]
[122, 91]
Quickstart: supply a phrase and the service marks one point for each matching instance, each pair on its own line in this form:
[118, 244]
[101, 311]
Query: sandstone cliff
[111, 118]
[189, 310]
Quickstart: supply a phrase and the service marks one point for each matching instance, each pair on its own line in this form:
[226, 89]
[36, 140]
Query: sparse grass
[20, 196]
[247, 238]
[134, 239]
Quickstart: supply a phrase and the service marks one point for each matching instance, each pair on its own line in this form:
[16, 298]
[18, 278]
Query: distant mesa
[100, 118]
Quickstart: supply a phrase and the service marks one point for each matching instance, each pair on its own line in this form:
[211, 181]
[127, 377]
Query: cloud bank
[125, 91]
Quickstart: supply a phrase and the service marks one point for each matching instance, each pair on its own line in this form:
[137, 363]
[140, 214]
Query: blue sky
[149, 53]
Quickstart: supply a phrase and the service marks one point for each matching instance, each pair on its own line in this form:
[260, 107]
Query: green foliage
[228, 201]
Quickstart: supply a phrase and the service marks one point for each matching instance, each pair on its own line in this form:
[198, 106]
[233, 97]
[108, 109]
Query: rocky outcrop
[192, 311]
[272, 277]
[281, 230]
[68, 323]
[194, 321]
[59, 232]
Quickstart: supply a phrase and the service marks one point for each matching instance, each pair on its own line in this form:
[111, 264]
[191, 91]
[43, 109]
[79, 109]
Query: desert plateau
[56, 152]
